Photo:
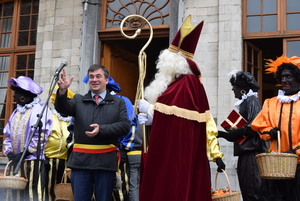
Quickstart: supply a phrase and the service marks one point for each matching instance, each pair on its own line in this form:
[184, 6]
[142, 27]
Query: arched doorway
[119, 54]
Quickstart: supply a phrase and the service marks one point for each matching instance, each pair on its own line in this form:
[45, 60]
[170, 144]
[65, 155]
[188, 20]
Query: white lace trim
[22, 109]
[287, 99]
[244, 97]
[67, 119]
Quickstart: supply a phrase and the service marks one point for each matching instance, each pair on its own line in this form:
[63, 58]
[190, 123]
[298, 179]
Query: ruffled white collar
[67, 119]
[287, 99]
[244, 97]
[22, 109]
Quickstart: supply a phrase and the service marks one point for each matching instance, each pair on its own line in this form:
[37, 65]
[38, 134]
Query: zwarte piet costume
[18, 131]
[282, 113]
[245, 88]
[56, 150]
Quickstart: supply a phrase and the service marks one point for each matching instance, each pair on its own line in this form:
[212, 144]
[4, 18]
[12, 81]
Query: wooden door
[253, 63]
[123, 68]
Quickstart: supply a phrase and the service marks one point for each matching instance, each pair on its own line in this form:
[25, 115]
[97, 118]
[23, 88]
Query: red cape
[177, 167]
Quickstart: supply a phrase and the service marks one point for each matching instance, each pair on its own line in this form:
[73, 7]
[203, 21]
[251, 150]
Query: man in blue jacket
[98, 123]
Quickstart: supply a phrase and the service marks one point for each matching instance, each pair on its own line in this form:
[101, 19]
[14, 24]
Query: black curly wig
[245, 81]
[294, 70]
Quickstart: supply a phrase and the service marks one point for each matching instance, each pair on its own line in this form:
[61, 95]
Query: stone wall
[58, 38]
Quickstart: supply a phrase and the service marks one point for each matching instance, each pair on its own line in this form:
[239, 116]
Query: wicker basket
[12, 182]
[63, 191]
[277, 165]
[231, 196]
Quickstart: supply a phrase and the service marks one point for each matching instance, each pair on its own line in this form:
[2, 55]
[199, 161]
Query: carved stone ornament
[136, 23]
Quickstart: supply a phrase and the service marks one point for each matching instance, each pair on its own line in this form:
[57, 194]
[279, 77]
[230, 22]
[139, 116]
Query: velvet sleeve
[24, 134]
[7, 145]
[46, 130]
[261, 123]
[253, 107]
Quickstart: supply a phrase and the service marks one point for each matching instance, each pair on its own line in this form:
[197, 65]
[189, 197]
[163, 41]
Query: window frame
[281, 23]
[13, 51]
[285, 44]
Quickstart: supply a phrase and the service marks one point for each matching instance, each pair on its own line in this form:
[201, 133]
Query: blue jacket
[127, 142]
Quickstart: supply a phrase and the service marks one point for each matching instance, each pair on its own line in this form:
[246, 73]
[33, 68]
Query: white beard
[157, 87]
[170, 66]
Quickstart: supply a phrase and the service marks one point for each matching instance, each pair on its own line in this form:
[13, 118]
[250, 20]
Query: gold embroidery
[30, 181]
[185, 54]
[134, 153]
[50, 176]
[40, 189]
[131, 138]
[25, 120]
[14, 131]
[183, 113]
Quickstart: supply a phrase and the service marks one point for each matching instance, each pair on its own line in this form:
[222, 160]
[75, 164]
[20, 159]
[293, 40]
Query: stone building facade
[68, 29]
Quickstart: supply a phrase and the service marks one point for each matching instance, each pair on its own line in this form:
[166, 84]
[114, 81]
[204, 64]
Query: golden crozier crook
[142, 64]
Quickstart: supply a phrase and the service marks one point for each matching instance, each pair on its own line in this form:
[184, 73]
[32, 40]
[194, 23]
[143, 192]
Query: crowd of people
[99, 136]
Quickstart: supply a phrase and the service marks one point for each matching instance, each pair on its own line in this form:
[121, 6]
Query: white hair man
[183, 132]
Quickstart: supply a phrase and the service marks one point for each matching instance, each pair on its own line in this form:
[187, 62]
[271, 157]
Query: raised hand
[64, 83]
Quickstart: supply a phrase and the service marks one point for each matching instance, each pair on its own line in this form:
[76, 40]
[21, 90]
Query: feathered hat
[26, 84]
[272, 65]
[186, 41]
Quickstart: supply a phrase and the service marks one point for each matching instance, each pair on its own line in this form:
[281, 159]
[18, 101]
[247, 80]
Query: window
[18, 29]
[291, 47]
[270, 18]
[261, 16]
[292, 15]
[113, 12]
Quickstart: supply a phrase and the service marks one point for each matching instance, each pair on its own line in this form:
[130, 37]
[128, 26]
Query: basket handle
[5, 169]
[64, 177]
[278, 142]
[216, 179]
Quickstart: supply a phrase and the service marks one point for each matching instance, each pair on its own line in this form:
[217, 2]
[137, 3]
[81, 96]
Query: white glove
[144, 119]
[143, 105]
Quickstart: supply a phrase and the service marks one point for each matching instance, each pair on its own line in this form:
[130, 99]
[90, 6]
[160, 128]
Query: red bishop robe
[177, 167]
